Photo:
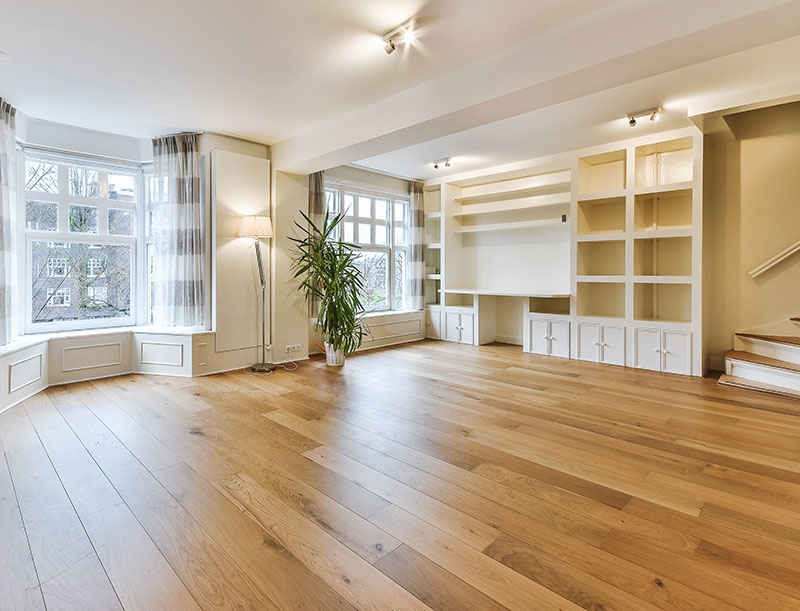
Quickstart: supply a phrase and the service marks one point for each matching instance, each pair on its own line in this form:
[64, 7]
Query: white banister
[769, 263]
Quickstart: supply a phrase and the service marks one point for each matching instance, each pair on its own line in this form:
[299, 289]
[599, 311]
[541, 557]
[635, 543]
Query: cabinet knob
[598, 344]
[656, 350]
[666, 351]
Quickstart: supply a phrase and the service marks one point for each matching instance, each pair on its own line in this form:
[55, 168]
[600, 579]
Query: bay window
[80, 236]
[378, 223]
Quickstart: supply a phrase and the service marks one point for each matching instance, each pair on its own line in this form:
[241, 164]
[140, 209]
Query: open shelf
[513, 225]
[665, 163]
[516, 188]
[657, 302]
[432, 201]
[662, 257]
[464, 300]
[433, 293]
[511, 205]
[601, 173]
[606, 258]
[601, 299]
[433, 229]
[601, 216]
[433, 215]
[666, 210]
[434, 246]
[549, 305]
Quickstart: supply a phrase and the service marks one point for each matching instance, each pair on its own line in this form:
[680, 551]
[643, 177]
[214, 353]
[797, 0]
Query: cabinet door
[559, 338]
[434, 324]
[589, 341]
[452, 326]
[467, 328]
[613, 345]
[676, 351]
[539, 336]
[647, 344]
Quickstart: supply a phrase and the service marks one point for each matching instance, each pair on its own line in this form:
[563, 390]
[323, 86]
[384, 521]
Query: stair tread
[740, 355]
[792, 340]
[726, 380]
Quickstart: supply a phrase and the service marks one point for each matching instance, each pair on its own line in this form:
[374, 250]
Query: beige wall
[752, 212]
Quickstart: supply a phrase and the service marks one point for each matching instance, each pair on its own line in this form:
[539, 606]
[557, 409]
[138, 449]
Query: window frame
[104, 167]
[391, 249]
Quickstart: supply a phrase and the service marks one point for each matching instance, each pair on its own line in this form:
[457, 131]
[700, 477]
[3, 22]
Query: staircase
[765, 362]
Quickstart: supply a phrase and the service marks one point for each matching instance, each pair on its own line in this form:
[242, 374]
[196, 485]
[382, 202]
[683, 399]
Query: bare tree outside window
[41, 177]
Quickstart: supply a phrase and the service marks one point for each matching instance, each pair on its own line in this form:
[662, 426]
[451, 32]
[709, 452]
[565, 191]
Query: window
[58, 298]
[377, 223]
[81, 243]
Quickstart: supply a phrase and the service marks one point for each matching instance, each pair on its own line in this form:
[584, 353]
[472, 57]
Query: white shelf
[668, 188]
[434, 246]
[663, 279]
[601, 237]
[511, 226]
[525, 203]
[546, 189]
[433, 216]
[433, 276]
[620, 278]
[490, 292]
[680, 232]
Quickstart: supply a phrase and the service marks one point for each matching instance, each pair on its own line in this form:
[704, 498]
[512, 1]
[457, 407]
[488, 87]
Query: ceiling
[486, 82]
[261, 69]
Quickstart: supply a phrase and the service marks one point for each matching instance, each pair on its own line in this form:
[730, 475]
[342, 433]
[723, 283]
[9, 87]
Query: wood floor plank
[19, 584]
[69, 571]
[428, 475]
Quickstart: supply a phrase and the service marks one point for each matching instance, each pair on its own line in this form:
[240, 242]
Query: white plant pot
[335, 358]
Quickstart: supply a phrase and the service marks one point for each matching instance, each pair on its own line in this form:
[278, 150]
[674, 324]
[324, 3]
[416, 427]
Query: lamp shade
[255, 227]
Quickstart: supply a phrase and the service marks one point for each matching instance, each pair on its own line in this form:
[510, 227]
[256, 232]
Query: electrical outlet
[292, 348]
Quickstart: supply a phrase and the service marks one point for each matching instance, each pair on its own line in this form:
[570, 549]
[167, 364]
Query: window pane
[400, 211]
[42, 177]
[400, 236]
[82, 182]
[83, 219]
[364, 207]
[400, 279]
[382, 235]
[71, 281]
[375, 268]
[349, 206]
[122, 187]
[382, 209]
[349, 231]
[41, 216]
[332, 201]
[364, 233]
[120, 222]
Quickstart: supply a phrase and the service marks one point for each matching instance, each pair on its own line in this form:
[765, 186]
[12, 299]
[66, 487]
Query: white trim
[12, 365]
[93, 366]
[162, 363]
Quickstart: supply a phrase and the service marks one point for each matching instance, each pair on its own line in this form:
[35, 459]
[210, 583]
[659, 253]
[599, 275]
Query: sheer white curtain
[416, 261]
[177, 233]
[8, 180]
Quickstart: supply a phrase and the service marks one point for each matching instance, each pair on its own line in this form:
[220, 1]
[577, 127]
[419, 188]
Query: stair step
[790, 340]
[726, 380]
[766, 361]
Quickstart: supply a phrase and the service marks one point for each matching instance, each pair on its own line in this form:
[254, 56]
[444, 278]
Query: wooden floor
[431, 475]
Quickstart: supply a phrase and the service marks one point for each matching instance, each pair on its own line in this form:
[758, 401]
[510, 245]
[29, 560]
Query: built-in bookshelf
[599, 248]
[637, 245]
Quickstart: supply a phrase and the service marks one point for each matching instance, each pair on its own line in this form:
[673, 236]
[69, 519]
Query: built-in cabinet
[548, 336]
[459, 326]
[663, 350]
[629, 218]
[601, 343]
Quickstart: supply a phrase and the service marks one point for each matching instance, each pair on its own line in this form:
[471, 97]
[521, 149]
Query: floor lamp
[258, 227]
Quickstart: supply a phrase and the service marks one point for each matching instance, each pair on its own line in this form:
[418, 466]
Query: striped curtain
[8, 180]
[416, 261]
[316, 212]
[178, 252]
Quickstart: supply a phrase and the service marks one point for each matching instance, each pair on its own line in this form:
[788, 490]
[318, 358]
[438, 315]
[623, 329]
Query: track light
[445, 162]
[402, 34]
[653, 113]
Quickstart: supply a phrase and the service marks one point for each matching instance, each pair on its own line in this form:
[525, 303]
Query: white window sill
[34, 339]
[383, 313]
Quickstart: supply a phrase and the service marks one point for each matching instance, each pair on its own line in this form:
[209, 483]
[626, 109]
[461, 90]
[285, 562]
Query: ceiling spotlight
[445, 162]
[402, 34]
[652, 113]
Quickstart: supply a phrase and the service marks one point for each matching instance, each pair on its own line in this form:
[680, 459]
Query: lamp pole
[264, 366]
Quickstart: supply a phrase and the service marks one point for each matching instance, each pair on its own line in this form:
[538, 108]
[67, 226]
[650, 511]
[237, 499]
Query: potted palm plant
[329, 274]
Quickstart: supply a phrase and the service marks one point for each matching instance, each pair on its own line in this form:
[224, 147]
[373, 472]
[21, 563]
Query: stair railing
[772, 262]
